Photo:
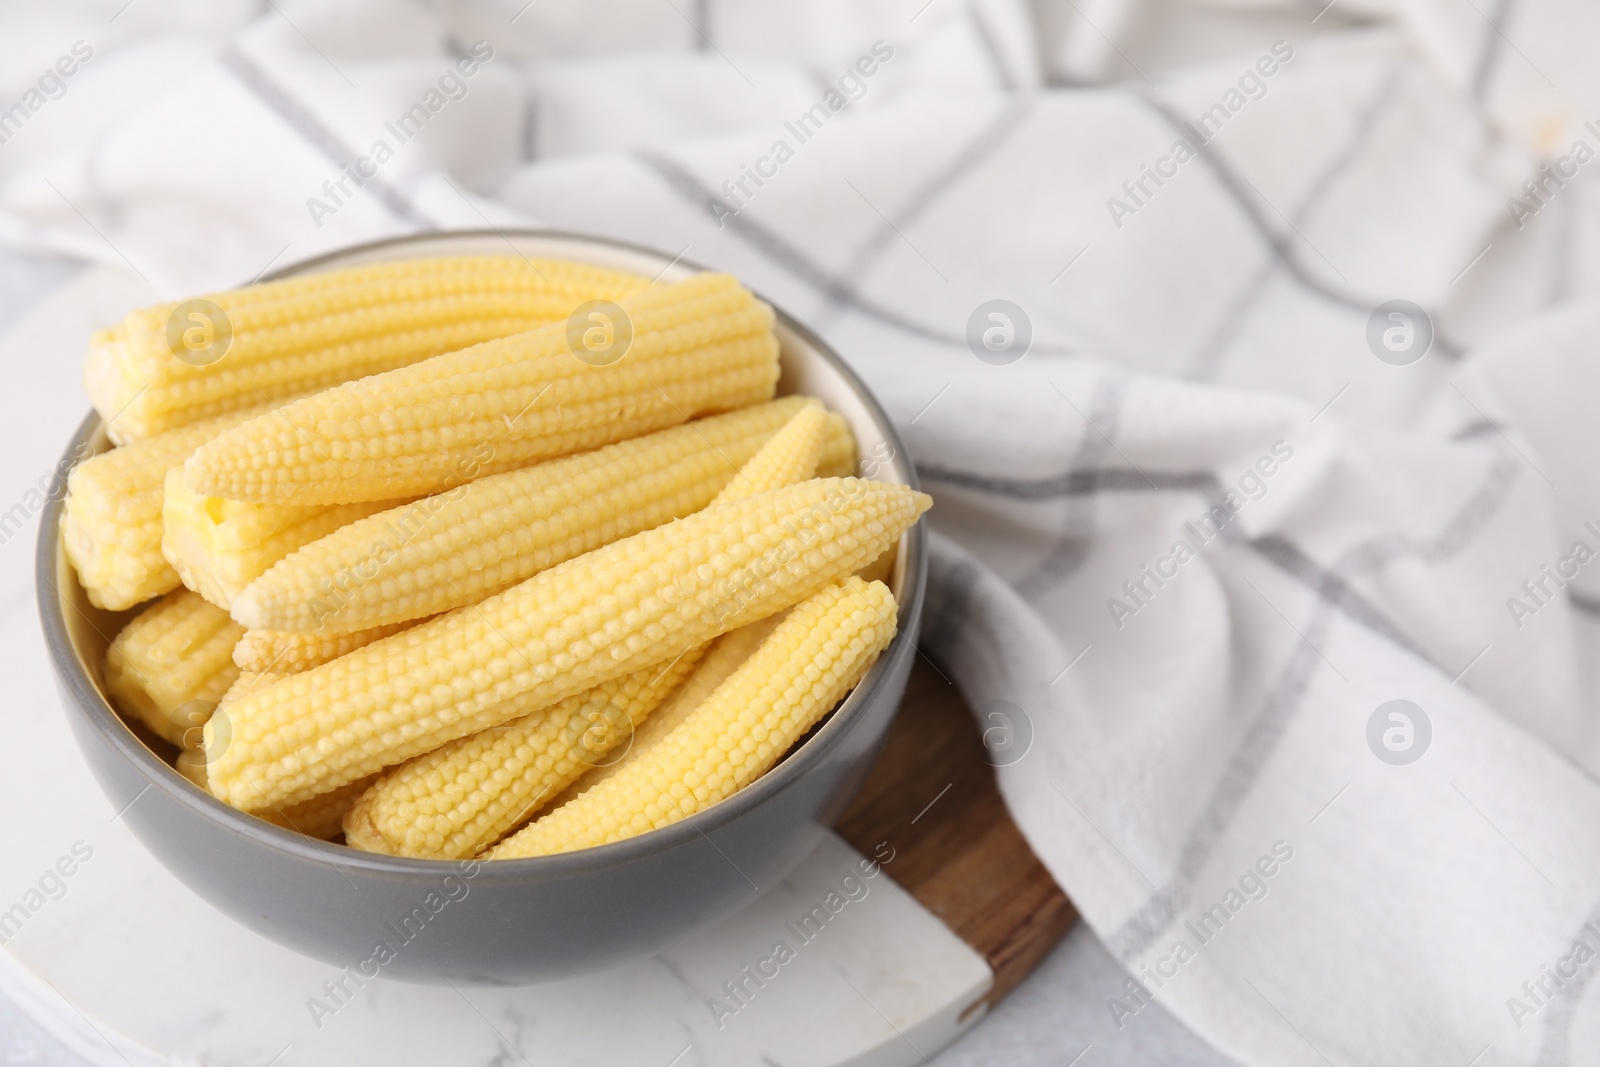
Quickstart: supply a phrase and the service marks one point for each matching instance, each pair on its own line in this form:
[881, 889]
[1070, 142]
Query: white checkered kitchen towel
[1245, 346]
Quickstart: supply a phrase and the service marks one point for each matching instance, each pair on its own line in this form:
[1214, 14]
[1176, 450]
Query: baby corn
[805, 667]
[217, 546]
[111, 521]
[789, 457]
[291, 653]
[458, 800]
[461, 798]
[171, 665]
[697, 346]
[268, 341]
[618, 609]
[444, 551]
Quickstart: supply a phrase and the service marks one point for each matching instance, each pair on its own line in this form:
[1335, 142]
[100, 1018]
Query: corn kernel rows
[457, 800]
[620, 608]
[309, 333]
[808, 663]
[172, 664]
[291, 653]
[724, 656]
[698, 346]
[445, 551]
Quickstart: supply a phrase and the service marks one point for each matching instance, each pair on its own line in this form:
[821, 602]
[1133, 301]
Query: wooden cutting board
[932, 796]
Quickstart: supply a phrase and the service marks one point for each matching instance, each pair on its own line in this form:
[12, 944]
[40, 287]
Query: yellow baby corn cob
[217, 546]
[319, 817]
[111, 521]
[810, 661]
[291, 653]
[457, 800]
[308, 333]
[618, 609]
[790, 456]
[444, 551]
[722, 658]
[172, 663]
[697, 346]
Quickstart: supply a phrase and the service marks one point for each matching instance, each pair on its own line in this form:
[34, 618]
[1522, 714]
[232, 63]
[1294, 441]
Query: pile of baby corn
[423, 574]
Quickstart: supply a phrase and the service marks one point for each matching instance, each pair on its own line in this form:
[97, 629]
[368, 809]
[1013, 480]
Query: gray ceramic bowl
[514, 921]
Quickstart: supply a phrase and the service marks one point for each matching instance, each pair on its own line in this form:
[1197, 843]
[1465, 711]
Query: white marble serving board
[128, 967]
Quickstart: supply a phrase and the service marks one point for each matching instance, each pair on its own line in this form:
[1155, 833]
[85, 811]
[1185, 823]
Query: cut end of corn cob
[807, 665]
[111, 521]
[618, 609]
[454, 802]
[217, 546]
[173, 364]
[171, 665]
[445, 551]
[290, 653]
[698, 346]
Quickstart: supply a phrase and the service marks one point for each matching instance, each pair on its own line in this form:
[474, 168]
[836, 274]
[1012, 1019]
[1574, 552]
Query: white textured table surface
[128, 966]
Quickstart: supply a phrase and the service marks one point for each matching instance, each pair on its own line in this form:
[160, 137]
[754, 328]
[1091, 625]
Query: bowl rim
[86, 698]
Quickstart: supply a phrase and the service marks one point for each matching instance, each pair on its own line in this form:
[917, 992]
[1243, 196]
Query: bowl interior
[807, 366]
